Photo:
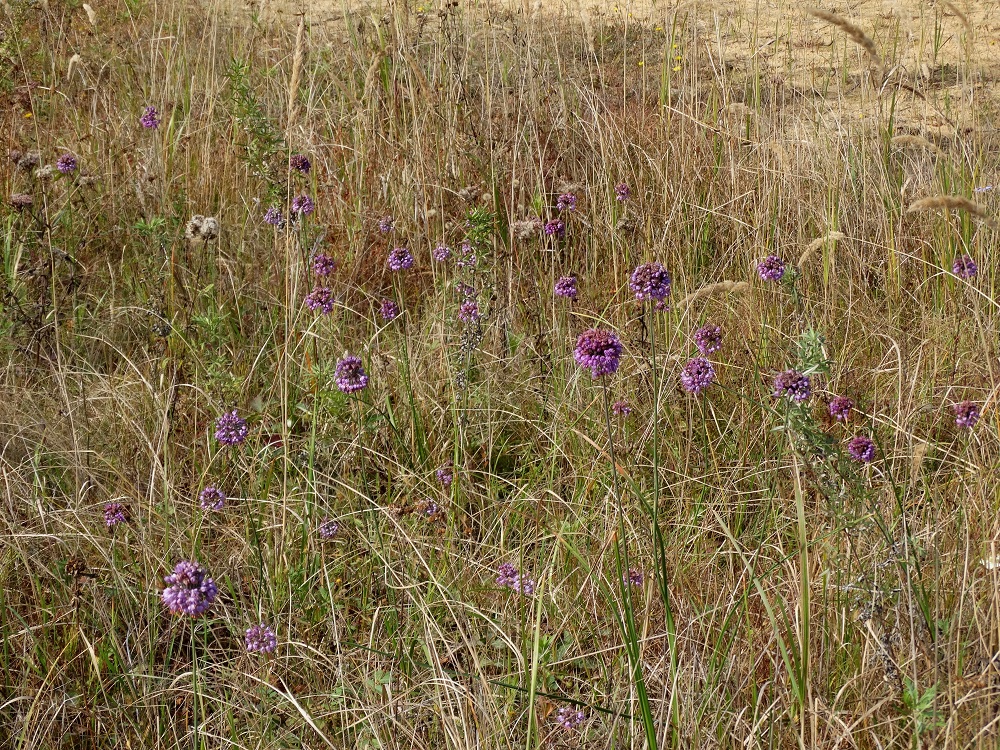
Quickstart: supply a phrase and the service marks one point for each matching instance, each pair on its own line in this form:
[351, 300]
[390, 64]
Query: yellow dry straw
[917, 141]
[854, 32]
[816, 244]
[719, 287]
[951, 202]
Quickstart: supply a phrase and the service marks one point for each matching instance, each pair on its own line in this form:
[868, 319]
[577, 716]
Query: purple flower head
[66, 163]
[21, 201]
[189, 590]
[708, 339]
[598, 350]
[350, 374]
[400, 259]
[622, 192]
[840, 408]
[862, 449]
[569, 718]
[566, 287]
[621, 408]
[150, 118]
[430, 509]
[389, 310]
[524, 586]
[792, 384]
[261, 638]
[303, 205]
[115, 514]
[650, 281]
[328, 529]
[466, 257]
[566, 202]
[212, 498]
[442, 253]
[965, 267]
[772, 268]
[556, 227]
[321, 299]
[506, 574]
[446, 475]
[697, 375]
[967, 414]
[299, 163]
[633, 577]
[230, 429]
[386, 224]
[466, 290]
[273, 217]
[323, 264]
[469, 311]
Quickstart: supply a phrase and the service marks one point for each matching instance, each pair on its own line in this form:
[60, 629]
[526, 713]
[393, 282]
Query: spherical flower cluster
[697, 375]
[967, 414]
[323, 264]
[566, 287]
[569, 718]
[273, 217]
[400, 259]
[508, 576]
[230, 429]
[321, 299]
[862, 449]
[965, 267]
[621, 408]
[708, 339]
[21, 201]
[840, 408]
[202, 228]
[212, 498]
[441, 253]
[772, 268]
[622, 192]
[469, 311]
[566, 202]
[299, 163]
[466, 257]
[350, 375]
[150, 118]
[650, 281]
[792, 384]
[26, 161]
[556, 228]
[386, 224]
[66, 163]
[115, 514]
[190, 590]
[303, 205]
[446, 475]
[389, 310]
[598, 350]
[328, 529]
[261, 638]
[633, 577]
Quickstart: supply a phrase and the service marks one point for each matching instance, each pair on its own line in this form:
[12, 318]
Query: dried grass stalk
[961, 16]
[817, 243]
[952, 202]
[719, 287]
[857, 35]
[296, 78]
[916, 140]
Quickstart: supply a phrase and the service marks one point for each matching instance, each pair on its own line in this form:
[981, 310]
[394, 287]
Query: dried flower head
[27, 162]
[622, 192]
[708, 339]
[840, 408]
[321, 299]
[209, 228]
[115, 514]
[556, 228]
[566, 202]
[350, 375]
[566, 287]
[273, 217]
[189, 591]
[261, 638]
[598, 350]
[389, 309]
[650, 281]
[442, 253]
[150, 118]
[21, 201]
[772, 268]
[66, 163]
[328, 529]
[792, 384]
[201, 228]
[231, 429]
[303, 205]
[299, 163]
[323, 264]
[525, 229]
[965, 267]
[862, 449]
[212, 498]
[967, 414]
[697, 375]
[400, 259]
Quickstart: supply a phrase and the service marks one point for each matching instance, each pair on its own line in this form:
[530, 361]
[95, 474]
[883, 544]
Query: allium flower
[506, 574]
[150, 118]
[212, 498]
[303, 205]
[556, 227]
[386, 224]
[840, 408]
[622, 192]
[862, 449]
[66, 163]
[26, 162]
[566, 202]
[328, 529]
[466, 290]
[115, 514]
[445, 475]
[792, 384]
[230, 429]
[469, 311]
[321, 299]
[697, 375]
[772, 268]
[967, 414]
[466, 257]
[261, 638]
[650, 281]
[201, 228]
[21, 201]
[569, 718]
[209, 228]
[429, 509]
[190, 590]
[708, 339]
[400, 259]
[389, 310]
[273, 217]
[965, 267]
[442, 253]
[350, 374]
[598, 350]
[621, 408]
[566, 287]
[633, 577]
[299, 163]
[323, 264]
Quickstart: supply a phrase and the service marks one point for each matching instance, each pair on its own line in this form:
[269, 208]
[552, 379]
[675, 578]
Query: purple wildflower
[708, 339]
[66, 163]
[189, 590]
[566, 202]
[386, 224]
[321, 299]
[389, 310]
[524, 586]
[273, 217]
[466, 257]
[697, 375]
[840, 408]
[323, 264]
[862, 449]
[506, 574]
[650, 281]
[400, 259]
[303, 205]
[569, 718]
[566, 287]
[445, 475]
[793, 384]
[466, 290]
[469, 311]
[430, 509]
[150, 118]
[598, 350]
[556, 227]
[115, 514]
[328, 529]
[967, 414]
[299, 163]
[633, 577]
[21, 201]
[230, 429]
[772, 268]
[350, 374]
[442, 253]
[212, 498]
[621, 408]
[965, 267]
[622, 192]
[261, 638]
